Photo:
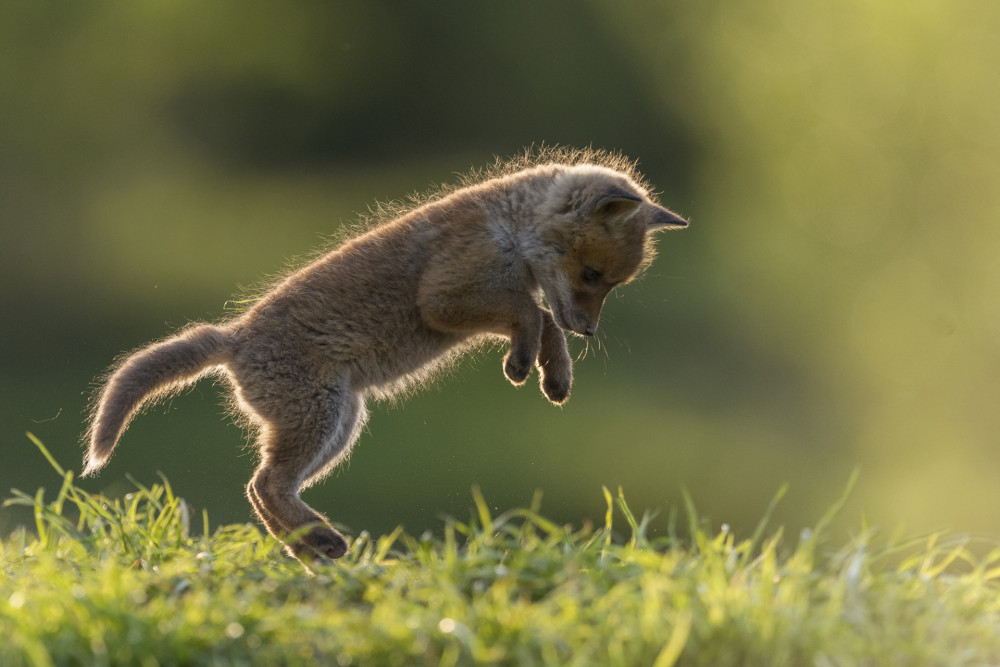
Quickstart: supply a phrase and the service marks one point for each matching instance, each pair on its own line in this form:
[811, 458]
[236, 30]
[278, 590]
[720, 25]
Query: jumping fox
[384, 309]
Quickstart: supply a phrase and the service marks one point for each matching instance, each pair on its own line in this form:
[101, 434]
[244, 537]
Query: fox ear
[616, 203]
[664, 219]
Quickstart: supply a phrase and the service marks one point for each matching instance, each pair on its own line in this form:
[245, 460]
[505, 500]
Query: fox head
[593, 234]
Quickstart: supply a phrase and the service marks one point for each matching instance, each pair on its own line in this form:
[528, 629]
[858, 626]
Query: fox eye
[590, 275]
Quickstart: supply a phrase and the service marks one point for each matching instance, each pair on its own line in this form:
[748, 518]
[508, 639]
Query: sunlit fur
[384, 309]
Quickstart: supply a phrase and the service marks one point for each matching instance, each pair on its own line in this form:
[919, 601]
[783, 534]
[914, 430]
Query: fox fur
[384, 309]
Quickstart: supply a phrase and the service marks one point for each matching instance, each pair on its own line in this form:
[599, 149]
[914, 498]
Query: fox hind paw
[321, 542]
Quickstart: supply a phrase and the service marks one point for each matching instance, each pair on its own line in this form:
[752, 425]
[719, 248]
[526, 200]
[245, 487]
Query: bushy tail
[149, 374]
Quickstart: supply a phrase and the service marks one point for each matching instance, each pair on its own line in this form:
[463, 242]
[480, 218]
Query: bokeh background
[834, 304]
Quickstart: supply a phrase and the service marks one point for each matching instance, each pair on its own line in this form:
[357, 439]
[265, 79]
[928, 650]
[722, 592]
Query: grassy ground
[125, 582]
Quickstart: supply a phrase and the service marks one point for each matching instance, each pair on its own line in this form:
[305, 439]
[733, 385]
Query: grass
[103, 582]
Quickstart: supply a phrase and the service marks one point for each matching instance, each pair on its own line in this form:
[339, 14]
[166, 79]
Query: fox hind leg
[293, 457]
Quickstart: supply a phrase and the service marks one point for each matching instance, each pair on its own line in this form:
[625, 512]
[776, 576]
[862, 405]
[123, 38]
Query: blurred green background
[833, 305]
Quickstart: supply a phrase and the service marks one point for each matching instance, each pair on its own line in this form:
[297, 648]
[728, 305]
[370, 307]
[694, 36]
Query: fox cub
[385, 308]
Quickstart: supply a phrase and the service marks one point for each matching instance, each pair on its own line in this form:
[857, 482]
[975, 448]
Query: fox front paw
[517, 367]
[556, 386]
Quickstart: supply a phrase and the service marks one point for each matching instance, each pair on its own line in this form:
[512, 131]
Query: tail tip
[92, 463]
[90, 467]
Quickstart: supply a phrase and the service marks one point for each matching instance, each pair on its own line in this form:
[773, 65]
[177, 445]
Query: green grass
[126, 581]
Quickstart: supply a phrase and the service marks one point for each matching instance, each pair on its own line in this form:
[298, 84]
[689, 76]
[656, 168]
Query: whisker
[624, 343]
